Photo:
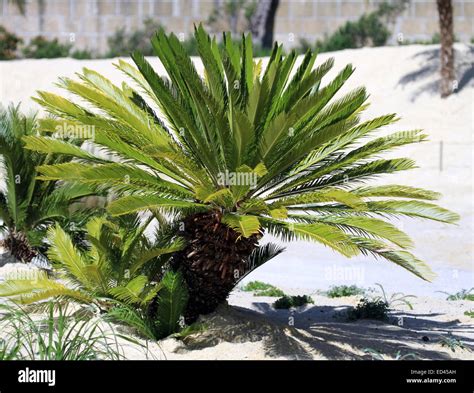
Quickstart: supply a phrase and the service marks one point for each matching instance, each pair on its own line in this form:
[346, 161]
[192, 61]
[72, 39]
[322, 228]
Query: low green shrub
[368, 30]
[344, 290]
[451, 343]
[8, 44]
[122, 43]
[271, 292]
[82, 54]
[464, 294]
[42, 48]
[256, 286]
[369, 309]
[286, 302]
[263, 289]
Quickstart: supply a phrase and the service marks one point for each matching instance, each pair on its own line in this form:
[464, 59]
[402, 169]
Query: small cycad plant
[119, 270]
[240, 150]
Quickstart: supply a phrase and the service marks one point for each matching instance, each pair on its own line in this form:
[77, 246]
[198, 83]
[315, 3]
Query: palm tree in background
[445, 12]
[240, 153]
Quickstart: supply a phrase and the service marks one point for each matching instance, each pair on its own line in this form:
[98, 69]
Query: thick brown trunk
[19, 247]
[212, 262]
[445, 11]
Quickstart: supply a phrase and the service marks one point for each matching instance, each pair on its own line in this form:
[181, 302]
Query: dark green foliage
[122, 43]
[368, 30]
[27, 205]
[287, 302]
[8, 44]
[161, 318]
[82, 54]
[469, 314]
[344, 290]
[369, 309]
[42, 48]
[171, 303]
[191, 48]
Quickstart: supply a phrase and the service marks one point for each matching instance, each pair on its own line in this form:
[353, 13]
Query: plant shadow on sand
[429, 70]
[317, 334]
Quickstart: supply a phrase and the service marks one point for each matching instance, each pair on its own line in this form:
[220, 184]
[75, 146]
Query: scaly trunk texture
[214, 259]
[445, 11]
[19, 247]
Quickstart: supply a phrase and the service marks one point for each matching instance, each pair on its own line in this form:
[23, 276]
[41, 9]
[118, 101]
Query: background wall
[88, 23]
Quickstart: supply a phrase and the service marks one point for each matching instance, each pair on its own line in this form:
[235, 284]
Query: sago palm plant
[240, 152]
[120, 271]
[119, 262]
[28, 206]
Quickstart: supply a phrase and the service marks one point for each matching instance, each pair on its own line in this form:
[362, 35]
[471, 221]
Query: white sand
[308, 267]
[319, 332]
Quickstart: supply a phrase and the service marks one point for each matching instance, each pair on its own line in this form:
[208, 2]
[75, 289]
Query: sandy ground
[250, 328]
[401, 80]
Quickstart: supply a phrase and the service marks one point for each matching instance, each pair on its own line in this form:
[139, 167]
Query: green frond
[37, 286]
[399, 191]
[63, 252]
[245, 225]
[400, 257]
[134, 203]
[327, 235]
[172, 300]
[130, 293]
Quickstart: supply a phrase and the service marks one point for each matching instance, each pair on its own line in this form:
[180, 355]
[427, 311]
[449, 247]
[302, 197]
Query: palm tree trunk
[215, 258]
[445, 11]
[19, 247]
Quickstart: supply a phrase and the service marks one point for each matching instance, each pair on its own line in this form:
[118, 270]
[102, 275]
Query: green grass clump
[263, 289]
[286, 302]
[60, 335]
[369, 309]
[464, 294]
[253, 286]
[452, 343]
[344, 290]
